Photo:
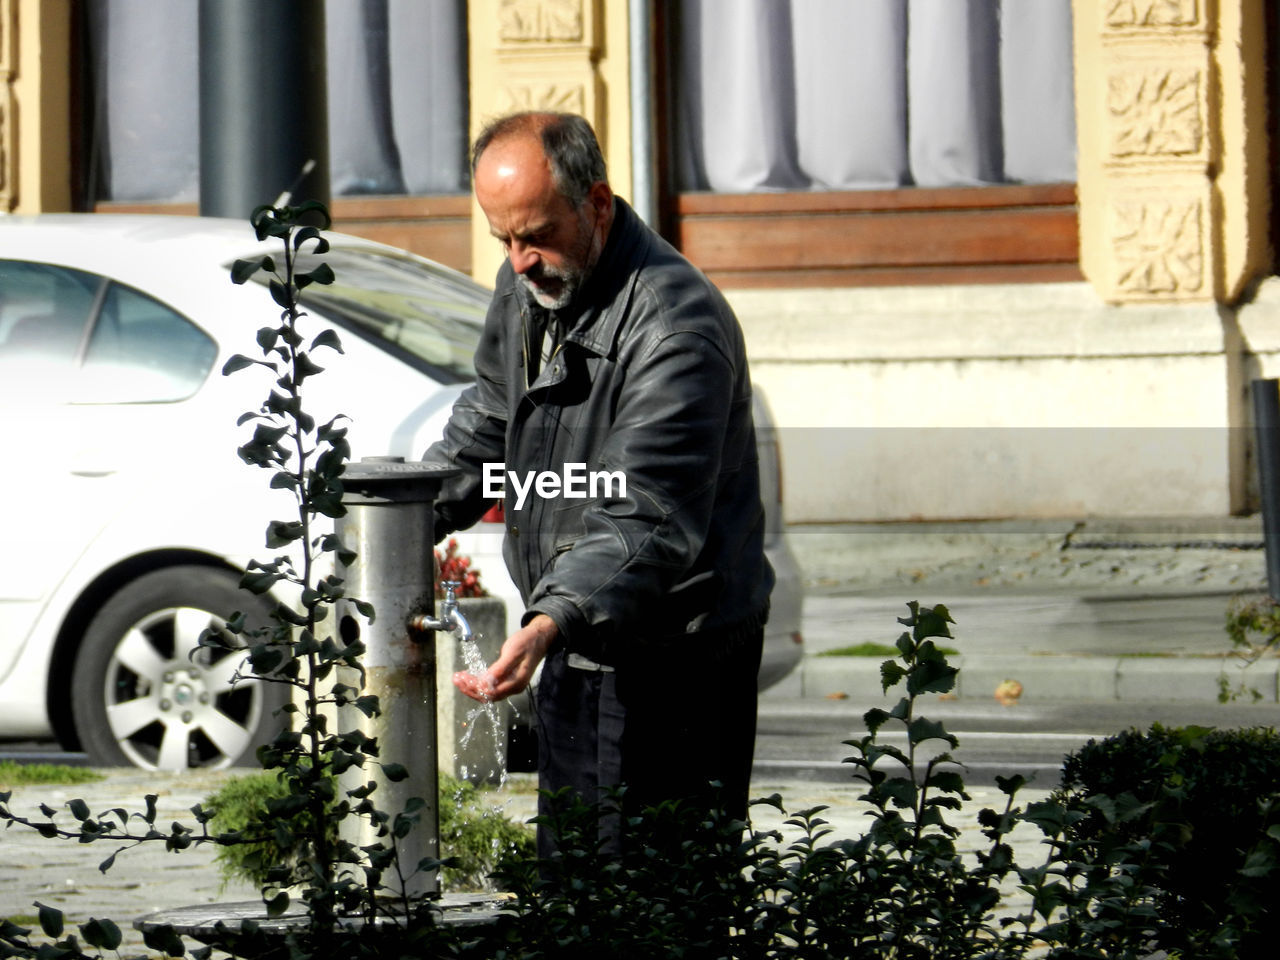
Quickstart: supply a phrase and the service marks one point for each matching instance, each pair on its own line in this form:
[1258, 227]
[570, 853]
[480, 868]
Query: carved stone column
[564, 55]
[35, 105]
[1171, 120]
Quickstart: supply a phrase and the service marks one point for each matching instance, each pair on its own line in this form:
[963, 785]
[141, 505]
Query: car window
[44, 311]
[135, 350]
[142, 351]
[427, 316]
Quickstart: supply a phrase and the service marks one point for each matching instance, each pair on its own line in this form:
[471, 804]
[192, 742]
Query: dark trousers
[667, 723]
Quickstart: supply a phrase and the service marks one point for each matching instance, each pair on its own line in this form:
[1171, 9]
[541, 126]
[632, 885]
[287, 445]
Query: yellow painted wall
[40, 94]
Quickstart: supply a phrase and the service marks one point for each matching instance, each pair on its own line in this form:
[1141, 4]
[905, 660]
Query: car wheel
[145, 694]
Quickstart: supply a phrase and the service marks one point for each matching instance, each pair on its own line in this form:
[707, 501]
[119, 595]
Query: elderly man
[607, 356]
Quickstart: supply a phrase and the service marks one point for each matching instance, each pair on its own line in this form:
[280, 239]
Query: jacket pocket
[568, 521]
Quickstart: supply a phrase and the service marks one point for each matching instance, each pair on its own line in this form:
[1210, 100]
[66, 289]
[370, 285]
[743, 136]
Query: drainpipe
[1266, 419]
[264, 116]
[644, 199]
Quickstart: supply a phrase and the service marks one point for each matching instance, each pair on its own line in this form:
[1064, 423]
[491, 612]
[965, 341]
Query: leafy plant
[697, 883]
[1253, 626]
[1204, 807]
[306, 461]
[474, 837]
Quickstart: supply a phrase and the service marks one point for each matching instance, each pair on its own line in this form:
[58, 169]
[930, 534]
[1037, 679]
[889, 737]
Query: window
[142, 351]
[44, 312]
[822, 142]
[397, 95]
[70, 336]
[423, 315]
[832, 95]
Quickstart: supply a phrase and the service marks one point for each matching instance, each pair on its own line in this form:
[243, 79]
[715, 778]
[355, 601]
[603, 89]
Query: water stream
[484, 717]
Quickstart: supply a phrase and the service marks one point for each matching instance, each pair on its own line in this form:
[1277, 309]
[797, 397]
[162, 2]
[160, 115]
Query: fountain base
[217, 924]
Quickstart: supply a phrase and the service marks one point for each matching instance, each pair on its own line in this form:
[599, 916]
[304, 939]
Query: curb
[1051, 678]
[1195, 554]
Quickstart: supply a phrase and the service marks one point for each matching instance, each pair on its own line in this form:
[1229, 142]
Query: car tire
[139, 697]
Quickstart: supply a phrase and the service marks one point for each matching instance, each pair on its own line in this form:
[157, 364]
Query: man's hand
[513, 670]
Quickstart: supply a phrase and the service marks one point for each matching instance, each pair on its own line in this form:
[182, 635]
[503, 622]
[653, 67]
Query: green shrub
[698, 883]
[475, 836]
[1202, 806]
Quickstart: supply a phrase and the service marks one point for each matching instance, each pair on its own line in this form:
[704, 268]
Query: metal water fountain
[389, 525]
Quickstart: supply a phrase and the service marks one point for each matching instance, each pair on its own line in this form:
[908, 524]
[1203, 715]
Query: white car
[129, 515]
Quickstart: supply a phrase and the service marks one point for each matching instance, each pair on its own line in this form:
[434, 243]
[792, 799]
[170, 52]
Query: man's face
[551, 245]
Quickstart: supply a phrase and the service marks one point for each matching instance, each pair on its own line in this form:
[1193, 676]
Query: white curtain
[144, 142]
[397, 98]
[866, 94]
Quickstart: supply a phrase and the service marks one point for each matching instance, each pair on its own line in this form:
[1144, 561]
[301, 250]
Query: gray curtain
[397, 98]
[866, 94]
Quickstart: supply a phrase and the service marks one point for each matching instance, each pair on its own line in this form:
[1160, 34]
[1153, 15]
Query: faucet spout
[451, 619]
[460, 625]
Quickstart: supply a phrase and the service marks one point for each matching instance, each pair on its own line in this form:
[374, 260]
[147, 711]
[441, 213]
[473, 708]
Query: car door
[92, 375]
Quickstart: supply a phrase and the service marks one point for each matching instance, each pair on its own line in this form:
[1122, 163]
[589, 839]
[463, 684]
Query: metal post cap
[393, 480]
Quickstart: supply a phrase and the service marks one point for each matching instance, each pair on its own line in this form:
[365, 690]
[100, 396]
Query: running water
[488, 710]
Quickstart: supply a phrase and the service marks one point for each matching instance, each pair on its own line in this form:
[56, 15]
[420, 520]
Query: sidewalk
[1164, 554]
[64, 874]
[1071, 610]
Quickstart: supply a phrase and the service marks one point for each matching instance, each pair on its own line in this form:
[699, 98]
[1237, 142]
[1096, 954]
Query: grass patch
[873, 649]
[25, 774]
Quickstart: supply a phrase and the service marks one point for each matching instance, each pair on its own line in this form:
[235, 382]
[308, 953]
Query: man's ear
[601, 197]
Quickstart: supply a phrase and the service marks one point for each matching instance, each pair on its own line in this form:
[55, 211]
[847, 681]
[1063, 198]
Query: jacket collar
[607, 293]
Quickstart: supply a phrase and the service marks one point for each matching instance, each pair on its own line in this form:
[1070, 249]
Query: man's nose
[523, 257]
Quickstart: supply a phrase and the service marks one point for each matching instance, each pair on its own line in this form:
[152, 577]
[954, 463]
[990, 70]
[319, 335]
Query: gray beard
[570, 282]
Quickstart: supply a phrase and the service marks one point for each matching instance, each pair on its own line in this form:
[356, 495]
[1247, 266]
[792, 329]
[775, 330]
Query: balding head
[552, 236]
[567, 141]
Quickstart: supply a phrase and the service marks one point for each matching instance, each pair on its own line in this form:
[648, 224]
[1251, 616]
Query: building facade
[1042, 290]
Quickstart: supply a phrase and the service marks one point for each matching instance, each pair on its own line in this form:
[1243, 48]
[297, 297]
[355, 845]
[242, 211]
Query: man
[606, 352]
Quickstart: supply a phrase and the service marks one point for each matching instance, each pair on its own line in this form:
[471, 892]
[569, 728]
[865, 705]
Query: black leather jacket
[651, 381]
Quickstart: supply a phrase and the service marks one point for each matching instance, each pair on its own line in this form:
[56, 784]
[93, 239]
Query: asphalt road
[803, 739]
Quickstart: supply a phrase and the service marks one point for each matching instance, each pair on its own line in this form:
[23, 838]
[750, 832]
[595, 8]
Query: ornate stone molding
[1156, 112]
[546, 21]
[565, 97]
[546, 57]
[1127, 14]
[1158, 246]
[1171, 127]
